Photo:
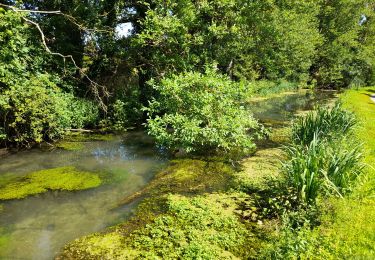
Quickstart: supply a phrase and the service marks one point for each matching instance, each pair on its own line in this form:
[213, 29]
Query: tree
[341, 62]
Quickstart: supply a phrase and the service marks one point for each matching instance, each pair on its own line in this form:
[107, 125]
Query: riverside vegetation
[186, 73]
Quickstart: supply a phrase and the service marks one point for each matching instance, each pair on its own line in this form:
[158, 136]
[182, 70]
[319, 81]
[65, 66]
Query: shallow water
[39, 226]
[284, 107]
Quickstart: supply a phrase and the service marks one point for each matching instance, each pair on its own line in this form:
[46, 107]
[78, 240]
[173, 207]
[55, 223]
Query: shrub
[83, 112]
[200, 112]
[36, 110]
[325, 123]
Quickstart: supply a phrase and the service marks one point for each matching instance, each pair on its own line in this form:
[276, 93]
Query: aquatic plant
[199, 227]
[329, 166]
[303, 170]
[63, 178]
[76, 141]
[324, 123]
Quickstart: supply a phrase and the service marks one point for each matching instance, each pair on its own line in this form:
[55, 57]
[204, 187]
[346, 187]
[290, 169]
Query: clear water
[284, 107]
[40, 226]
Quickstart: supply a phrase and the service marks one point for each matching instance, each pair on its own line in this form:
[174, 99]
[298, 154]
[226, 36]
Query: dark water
[38, 227]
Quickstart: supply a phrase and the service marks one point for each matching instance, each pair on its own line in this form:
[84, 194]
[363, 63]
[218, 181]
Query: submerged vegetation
[185, 72]
[187, 212]
[64, 178]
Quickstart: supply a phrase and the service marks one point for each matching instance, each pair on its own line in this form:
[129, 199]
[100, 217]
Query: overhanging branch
[94, 86]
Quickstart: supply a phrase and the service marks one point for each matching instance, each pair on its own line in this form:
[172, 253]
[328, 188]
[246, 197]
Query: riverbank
[202, 207]
[350, 232]
[347, 229]
[164, 225]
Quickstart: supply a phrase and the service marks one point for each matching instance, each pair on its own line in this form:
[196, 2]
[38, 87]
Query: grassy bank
[350, 231]
[346, 229]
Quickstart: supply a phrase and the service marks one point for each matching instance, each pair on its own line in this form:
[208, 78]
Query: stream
[38, 227]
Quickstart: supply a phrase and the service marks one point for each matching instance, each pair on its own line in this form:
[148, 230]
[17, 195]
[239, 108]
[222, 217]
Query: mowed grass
[348, 231]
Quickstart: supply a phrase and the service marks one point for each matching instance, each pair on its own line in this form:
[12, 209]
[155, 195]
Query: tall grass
[325, 123]
[303, 170]
[321, 160]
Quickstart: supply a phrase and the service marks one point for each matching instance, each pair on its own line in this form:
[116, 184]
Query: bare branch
[94, 86]
[67, 16]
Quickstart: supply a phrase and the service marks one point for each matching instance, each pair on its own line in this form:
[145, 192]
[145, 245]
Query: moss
[188, 176]
[4, 240]
[199, 227]
[76, 141]
[70, 146]
[88, 137]
[259, 169]
[63, 178]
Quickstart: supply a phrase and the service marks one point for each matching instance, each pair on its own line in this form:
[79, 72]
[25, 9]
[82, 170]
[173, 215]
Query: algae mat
[62, 178]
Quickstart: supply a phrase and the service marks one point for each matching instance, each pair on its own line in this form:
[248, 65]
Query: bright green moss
[188, 176]
[88, 137]
[70, 146]
[178, 218]
[4, 240]
[259, 169]
[63, 178]
[199, 227]
[76, 141]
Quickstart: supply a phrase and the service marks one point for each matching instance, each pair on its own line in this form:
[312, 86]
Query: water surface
[39, 226]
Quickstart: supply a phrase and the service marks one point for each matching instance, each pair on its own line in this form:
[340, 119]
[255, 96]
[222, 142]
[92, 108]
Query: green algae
[187, 211]
[188, 176]
[76, 141]
[200, 227]
[70, 146]
[62, 178]
[259, 169]
[4, 240]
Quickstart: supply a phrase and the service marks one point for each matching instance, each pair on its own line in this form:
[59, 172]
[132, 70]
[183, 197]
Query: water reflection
[38, 226]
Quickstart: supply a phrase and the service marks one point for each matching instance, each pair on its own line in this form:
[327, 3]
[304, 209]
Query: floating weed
[63, 178]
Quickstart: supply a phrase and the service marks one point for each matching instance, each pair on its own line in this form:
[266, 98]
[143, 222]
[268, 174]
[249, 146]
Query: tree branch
[94, 86]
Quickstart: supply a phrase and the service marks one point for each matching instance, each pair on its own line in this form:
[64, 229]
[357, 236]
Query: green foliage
[199, 112]
[324, 124]
[322, 166]
[32, 105]
[201, 227]
[321, 156]
[64, 178]
[343, 60]
[81, 112]
[266, 87]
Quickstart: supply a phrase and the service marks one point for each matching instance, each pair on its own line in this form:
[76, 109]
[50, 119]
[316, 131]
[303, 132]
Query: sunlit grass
[349, 233]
